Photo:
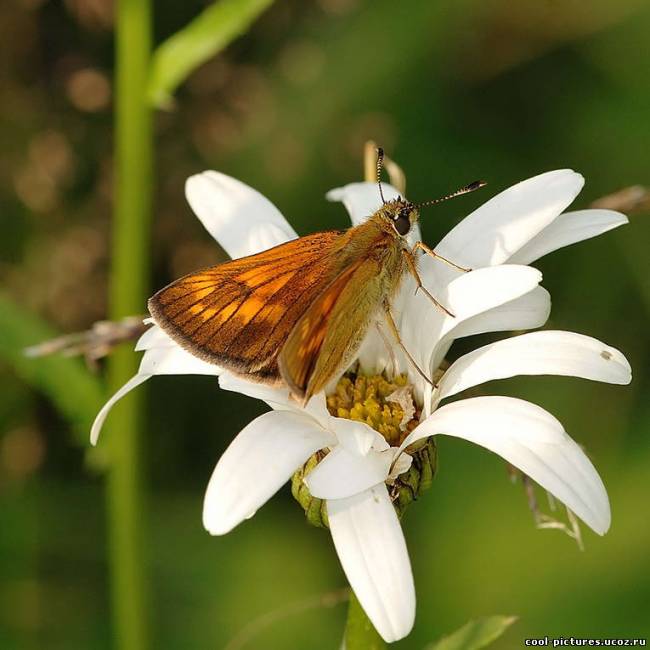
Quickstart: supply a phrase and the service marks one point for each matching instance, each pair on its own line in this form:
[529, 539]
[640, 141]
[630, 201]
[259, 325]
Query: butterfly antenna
[380, 166]
[463, 190]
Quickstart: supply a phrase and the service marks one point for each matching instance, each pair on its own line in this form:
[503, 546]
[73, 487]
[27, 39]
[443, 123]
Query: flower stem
[129, 278]
[360, 633]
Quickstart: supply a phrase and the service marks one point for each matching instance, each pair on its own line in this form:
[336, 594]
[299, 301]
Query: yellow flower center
[377, 401]
[388, 406]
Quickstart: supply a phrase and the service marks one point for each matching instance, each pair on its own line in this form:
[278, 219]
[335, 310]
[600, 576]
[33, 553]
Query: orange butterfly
[297, 313]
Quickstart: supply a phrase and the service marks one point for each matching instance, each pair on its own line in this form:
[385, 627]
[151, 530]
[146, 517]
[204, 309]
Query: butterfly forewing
[239, 314]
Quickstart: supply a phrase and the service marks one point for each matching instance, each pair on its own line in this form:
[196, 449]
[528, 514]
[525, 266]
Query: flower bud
[314, 508]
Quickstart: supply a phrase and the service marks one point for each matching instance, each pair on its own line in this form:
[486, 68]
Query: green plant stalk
[129, 284]
[360, 633]
[204, 37]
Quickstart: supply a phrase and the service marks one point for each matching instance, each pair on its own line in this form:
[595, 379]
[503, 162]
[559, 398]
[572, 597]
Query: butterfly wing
[239, 314]
[324, 340]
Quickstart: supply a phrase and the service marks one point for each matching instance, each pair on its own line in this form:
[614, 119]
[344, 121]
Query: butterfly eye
[402, 223]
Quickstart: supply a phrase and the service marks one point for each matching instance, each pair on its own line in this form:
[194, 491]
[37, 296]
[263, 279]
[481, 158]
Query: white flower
[352, 476]
[498, 240]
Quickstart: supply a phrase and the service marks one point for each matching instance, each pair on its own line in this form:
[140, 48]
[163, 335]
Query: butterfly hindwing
[328, 334]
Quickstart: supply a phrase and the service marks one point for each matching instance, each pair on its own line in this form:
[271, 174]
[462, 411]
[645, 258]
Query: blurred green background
[454, 91]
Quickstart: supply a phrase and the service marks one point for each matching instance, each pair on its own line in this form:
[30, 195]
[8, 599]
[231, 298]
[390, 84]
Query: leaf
[76, 393]
[475, 634]
[204, 37]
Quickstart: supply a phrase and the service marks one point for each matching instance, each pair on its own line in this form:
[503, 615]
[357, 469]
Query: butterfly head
[399, 215]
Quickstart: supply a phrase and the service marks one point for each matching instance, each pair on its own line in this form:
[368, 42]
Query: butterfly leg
[398, 339]
[410, 263]
[419, 245]
[389, 349]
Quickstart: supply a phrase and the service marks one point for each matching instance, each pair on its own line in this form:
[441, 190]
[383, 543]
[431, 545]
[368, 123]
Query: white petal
[476, 292]
[175, 361]
[342, 473]
[256, 464]
[402, 463]
[537, 353]
[567, 229]
[357, 437]
[531, 439]
[362, 200]
[526, 312]
[277, 398]
[154, 337]
[374, 355]
[242, 220]
[371, 547]
[425, 328]
[493, 233]
[101, 416]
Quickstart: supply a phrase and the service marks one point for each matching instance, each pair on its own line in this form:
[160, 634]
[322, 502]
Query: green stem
[359, 631]
[129, 279]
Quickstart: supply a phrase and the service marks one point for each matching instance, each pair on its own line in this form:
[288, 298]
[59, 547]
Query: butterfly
[297, 313]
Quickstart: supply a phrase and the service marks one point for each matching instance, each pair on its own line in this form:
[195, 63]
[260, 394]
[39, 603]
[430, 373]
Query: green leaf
[208, 34]
[76, 393]
[475, 634]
